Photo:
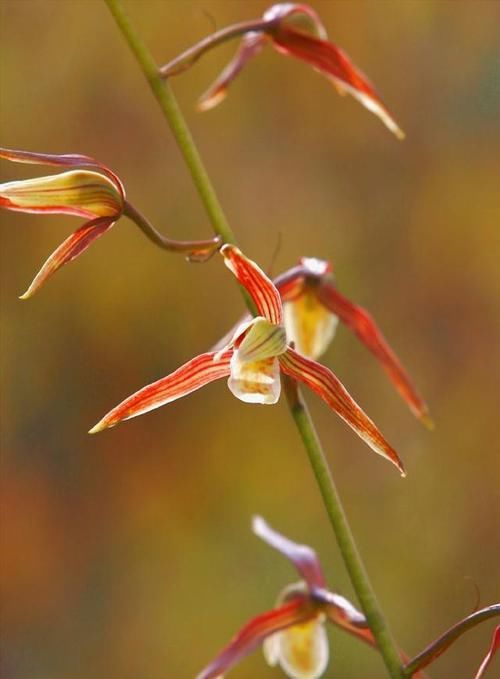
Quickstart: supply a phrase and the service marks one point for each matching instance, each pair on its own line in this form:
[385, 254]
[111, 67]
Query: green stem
[299, 411]
[168, 104]
[342, 530]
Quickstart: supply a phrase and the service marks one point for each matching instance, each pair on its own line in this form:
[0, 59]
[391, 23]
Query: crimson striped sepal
[303, 557]
[189, 377]
[322, 381]
[334, 63]
[364, 326]
[259, 286]
[495, 645]
[295, 612]
[251, 44]
[70, 249]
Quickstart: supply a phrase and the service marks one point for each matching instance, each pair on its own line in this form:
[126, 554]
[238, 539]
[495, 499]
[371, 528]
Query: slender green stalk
[172, 113]
[299, 411]
[342, 530]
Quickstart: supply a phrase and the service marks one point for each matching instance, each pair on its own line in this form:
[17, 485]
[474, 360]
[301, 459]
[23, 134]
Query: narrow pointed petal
[186, 379]
[301, 650]
[363, 325]
[83, 193]
[261, 289]
[322, 381]
[250, 46]
[495, 645]
[256, 382]
[61, 160]
[69, 250]
[253, 634]
[303, 557]
[333, 62]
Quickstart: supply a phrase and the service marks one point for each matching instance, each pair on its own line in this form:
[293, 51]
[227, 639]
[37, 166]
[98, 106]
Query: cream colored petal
[256, 382]
[262, 340]
[309, 325]
[271, 649]
[303, 650]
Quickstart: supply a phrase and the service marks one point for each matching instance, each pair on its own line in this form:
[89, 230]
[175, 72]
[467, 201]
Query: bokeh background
[129, 554]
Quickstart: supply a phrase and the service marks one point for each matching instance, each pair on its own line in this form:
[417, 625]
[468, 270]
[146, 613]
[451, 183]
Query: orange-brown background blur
[129, 554]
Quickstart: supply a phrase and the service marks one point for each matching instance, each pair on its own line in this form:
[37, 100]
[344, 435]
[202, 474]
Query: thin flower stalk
[89, 190]
[281, 27]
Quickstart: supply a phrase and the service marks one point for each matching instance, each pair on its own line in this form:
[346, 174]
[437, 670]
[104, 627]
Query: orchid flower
[279, 27]
[313, 306]
[253, 360]
[94, 193]
[293, 633]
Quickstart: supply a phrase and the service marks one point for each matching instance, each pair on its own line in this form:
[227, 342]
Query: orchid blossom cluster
[294, 320]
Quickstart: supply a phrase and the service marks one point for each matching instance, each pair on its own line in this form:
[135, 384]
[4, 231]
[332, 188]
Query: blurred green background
[129, 554]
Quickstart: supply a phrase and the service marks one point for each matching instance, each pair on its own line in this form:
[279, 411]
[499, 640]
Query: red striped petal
[188, 378]
[252, 635]
[363, 325]
[304, 558]
[322, 381]
[335, 64]
[61, 160]
[260, 288]
[69, 250]
[495, 645]
[250, 46]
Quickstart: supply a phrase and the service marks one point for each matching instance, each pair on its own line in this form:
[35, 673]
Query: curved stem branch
[192, 54]
[299, 411]
[439, 646]
[195, 250]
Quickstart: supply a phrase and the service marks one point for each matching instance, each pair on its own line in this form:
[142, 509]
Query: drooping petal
[301, 650]
[495, 645]
[69, 250]
[261, 289]
[363, 325]
[83, 193]
[303, 557]
[188, 378]
[257, 382]
[309, 325]
[333, 62]
[253, 634]
[251, 44]
[322, 381]
[61, 160]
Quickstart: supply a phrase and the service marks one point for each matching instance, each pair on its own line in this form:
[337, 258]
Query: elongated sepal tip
[427, 421]
[26, 295]
[98, 427]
